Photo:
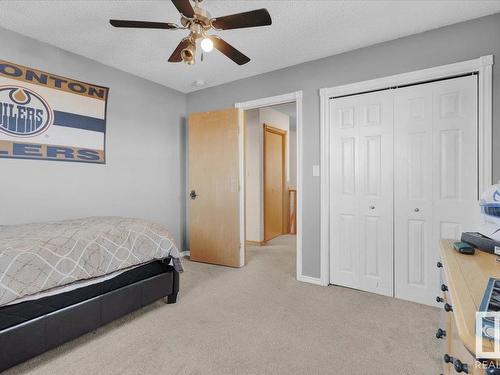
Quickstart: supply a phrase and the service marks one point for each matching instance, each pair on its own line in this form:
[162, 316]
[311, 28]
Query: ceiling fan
[198, 21]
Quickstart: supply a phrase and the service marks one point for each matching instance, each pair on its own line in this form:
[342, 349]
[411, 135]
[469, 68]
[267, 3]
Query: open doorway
[271, 178]
[290, 242]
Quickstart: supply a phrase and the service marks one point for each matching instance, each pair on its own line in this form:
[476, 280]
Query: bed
[60, 280]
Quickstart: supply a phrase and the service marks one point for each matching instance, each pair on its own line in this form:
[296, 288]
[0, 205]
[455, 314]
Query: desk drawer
[462, 357]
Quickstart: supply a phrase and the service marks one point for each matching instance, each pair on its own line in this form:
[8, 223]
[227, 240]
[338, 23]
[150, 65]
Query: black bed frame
[33, 337]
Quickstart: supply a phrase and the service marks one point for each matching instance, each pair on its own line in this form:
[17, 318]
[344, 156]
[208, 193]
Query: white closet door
[455, 157]
[436, 178]
[344, 185]
[362, 192]
[414, 250]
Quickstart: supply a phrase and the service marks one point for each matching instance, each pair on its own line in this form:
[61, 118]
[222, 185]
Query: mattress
[36, 258]
[69, 287]
[18, 313]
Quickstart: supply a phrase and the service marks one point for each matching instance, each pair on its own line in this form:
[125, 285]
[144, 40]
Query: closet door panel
[456, 157]
[344, 220]
[436, 178]
[375, 113]
[414, 268]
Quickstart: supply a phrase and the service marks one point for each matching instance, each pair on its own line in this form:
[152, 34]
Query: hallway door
[274, 182]
[214, 187]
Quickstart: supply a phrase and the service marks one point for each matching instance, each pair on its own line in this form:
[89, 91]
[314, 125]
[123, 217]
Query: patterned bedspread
[38, 257]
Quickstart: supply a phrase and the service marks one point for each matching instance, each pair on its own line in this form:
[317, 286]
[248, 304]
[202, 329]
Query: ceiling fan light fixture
[188, 54]
[198, 22]
[207, 45]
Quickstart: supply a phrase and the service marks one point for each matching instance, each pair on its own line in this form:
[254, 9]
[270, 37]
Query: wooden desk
[466, 277]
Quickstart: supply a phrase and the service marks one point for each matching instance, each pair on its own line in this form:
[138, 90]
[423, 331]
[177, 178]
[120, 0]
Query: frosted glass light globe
[207, 45]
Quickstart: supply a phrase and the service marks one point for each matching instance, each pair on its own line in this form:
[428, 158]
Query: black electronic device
[464, 248]
[481, 242]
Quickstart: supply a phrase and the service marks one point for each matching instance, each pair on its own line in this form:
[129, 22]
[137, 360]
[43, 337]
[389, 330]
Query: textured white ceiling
[301, 31]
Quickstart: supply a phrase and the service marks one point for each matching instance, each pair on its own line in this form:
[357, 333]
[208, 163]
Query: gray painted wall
[145, 171]
[450, 44]
[144, 175]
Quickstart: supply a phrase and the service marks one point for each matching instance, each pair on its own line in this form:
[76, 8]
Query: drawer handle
[439, 299]
[439, 265]
[460, 367]
[444, 288]
[448, 307]
[447, 358]
[440, 333]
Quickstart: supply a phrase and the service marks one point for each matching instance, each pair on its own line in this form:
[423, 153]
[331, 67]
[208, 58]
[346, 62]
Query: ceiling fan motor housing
[201, 18]
[197, 26]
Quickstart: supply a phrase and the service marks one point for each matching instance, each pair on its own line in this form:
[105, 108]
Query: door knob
[417, 209]
[372, 207]
[193, 194]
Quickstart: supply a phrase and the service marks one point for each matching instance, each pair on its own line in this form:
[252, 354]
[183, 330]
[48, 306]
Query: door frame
[293, 97]
[482, 66]
[283, 134]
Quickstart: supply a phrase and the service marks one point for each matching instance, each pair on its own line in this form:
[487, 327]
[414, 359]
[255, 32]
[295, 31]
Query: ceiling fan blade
[143, 24]
[228, 50]
[176, 55]
[184, 7]
[254, 18]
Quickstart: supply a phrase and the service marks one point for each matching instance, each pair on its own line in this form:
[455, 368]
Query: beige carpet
[257, 320]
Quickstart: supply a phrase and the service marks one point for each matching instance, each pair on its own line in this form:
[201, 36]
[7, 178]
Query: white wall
[144, 150]
[292, 183]
[254, 150]
[253, 181]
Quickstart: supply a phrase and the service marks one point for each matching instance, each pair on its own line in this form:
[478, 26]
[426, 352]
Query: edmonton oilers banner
[49, 117]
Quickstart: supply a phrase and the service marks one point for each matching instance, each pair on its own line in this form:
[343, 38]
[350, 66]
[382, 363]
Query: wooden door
[274, 182]
[362, 192]
[214, 202]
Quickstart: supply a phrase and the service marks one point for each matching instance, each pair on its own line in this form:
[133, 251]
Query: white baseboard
[310, 280]
[185, 253]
